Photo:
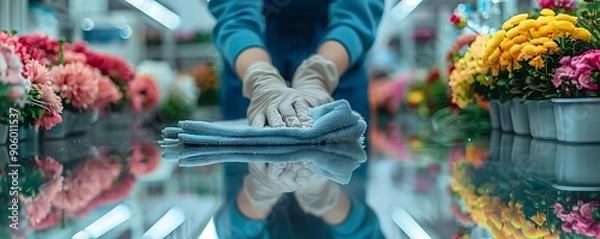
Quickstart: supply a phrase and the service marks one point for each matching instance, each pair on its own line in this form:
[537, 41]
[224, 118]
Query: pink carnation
[143, 92]
[575, 73]
[113, 66]
[39, 47]
[51, 167]
[72, 57]
[108, 92]
[568, 5]
[76, 83]
[37, 73]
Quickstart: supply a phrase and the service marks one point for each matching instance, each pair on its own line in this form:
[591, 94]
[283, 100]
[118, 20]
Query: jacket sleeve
[240, 25]
[354, 24]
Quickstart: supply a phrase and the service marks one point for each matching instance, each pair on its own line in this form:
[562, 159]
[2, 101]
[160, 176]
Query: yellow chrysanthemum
[582, 34]
[566, 17]
[547, 12]
[527, 25]
[564, 26]
[519, 39]
[515, 20]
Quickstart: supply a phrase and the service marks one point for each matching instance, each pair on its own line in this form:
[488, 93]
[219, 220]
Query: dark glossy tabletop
[416, 183]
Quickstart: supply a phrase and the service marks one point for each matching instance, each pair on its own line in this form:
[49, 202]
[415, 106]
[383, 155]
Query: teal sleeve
[360, 223]
[354, 24]
[230, 223]
[240, 25]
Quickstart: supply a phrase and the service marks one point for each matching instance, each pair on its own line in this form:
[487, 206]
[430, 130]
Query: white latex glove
[271, 101]
[318, 196]
[268, 181]
[316, 78]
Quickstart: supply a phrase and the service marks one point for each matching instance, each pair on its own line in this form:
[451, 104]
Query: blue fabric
[290, 37]
[333, 123]
[351, 22]
[333, 161]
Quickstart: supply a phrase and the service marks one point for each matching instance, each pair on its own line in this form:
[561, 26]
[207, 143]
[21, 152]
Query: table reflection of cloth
[333, 161]
[333, 123]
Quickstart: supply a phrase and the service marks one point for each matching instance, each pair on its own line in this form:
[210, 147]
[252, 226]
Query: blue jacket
[241, 23]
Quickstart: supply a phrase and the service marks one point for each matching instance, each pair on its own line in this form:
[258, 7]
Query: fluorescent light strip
[104, 224]
[210, 231]
[404, 8]
[158, 12]
[409, 225]
[166, 224]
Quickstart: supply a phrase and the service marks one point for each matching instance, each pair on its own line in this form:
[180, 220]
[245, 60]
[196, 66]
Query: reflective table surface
[410, 181]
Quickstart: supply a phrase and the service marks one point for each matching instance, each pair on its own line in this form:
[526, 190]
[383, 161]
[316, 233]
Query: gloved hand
[318, 196]
[271, 101]
[316, 78]
[267, 181]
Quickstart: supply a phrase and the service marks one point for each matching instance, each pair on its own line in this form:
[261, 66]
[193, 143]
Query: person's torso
[296, 9]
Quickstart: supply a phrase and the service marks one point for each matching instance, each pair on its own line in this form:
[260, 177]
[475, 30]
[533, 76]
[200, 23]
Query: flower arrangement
[117, 69]
[524, 54]
[470, 77]
[24, 84]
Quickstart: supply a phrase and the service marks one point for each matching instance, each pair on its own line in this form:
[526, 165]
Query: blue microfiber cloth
[333, 161]
[333, 123]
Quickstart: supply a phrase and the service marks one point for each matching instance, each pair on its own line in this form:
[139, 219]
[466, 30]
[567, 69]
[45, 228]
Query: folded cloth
[334, 122]
[333, 161]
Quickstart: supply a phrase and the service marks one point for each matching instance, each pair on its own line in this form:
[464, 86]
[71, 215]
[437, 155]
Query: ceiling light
[158, 12]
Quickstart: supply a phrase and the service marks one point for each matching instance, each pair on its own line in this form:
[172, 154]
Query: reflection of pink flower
[568, 5]
[86, 182]
[143, 92]
[580, 219]
[41, 205]
[144, 158]
[51, 167]
[116, 193]
[76, 83]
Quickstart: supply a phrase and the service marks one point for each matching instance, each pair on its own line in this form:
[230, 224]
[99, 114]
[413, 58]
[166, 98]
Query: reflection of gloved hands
[267, 181]
[319, 196]
[271, 101]
[316, 78]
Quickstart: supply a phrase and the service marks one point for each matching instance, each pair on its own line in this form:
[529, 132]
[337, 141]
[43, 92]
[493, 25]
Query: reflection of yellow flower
[504, 220]
[539, 218]
[524, 41]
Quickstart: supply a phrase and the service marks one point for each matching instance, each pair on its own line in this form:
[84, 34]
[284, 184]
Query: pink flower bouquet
[567, 5]
[578, 76]
[26, 86]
